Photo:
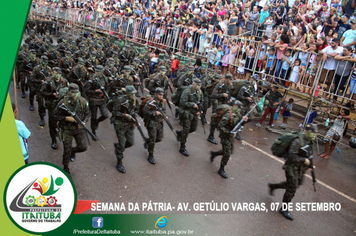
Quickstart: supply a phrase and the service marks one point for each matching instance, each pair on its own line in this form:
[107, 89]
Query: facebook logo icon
[98, 222]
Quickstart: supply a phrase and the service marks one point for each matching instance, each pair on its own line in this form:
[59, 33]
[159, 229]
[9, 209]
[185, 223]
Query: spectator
[23, 133]
[349, 37]
[350, 6]
[343, 24]
[335, 133]
[174, 67]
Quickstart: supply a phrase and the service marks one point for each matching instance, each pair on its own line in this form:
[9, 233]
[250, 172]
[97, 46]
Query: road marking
[309, 176]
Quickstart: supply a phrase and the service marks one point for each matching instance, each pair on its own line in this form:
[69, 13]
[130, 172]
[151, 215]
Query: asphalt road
[194, 179]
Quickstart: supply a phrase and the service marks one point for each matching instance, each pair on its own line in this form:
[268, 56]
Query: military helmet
[228, 76]
[127, 68]
[130, 89]
[159, 91]
[68, 52]
[99, 68]
[81, 61]
[110, 60]
[32, 51]
[44, 58]
[311, 127]
[197, 81]
[74, 88]
[237, 102]
[57, 69]
[25, 45]
[163, 68]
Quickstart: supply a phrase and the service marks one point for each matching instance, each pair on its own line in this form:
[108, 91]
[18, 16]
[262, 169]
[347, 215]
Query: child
[275, 116]
[269, 27]
[212, 55]
[189, 43]
[219, 56]
[294, 77]
[206, 46]
[286, 113]
[241, 68]
[310, 115]
[271, 62]
[286, 62]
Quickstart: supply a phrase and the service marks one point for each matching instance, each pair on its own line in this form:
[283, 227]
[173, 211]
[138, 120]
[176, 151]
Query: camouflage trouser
[80, 139]
[52, 124]
[227, 149]
[155, 135]
[125, 136]
[22, 80]
[94, 105]
[206, 104]
[294, 178]
[40, 100]
[190, 124]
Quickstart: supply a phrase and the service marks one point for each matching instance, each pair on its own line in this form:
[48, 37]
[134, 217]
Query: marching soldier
[159, 80]
[154, 121]
[53, 90]
[79, 75]
[121, 81]
[295, 166]
[96, 90]
[124, 108]
[66, 63]
[226, 124]
[189, 103]
[110, 70]
[53, 55]
[68, 126]
[39, 74]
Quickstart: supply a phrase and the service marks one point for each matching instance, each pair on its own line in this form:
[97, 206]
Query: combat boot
[66, 169]
[31, 106]
[215, 154]
[286, 214]
[120, 167]
[151, 159]
[23, 95]
[93, 131]
[238, 137]
[183, 150]
[212, 139]
[17, 85]
[54, 143]
[72, 156]
[42, 122]
[222, 172]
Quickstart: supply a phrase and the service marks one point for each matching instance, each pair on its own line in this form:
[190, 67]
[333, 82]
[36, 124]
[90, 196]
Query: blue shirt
[219, 55]
[271, 59]
[24, 134]
[285, 64]
[263, 16]
[350, 36]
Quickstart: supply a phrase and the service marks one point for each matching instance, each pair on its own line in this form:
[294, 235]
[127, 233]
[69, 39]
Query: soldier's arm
[240, 95]
[215, 94]
[184, 99]
[58, 113]
[46, 90]
[293, 156]
[147, 111]
[116, 111]
[89, 88]
[34, 76]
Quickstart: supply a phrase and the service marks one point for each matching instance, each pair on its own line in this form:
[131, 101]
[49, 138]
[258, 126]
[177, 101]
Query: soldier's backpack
[144, 100]
[220, 112]
[237, 85]
[282, 144]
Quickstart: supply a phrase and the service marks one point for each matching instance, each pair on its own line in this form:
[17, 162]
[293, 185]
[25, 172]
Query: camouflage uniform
[154, 122]
[53, 89]
[123, 109]
[66, 63]
[188, 114]
[158, 80]
[70, 130]
[39, 74]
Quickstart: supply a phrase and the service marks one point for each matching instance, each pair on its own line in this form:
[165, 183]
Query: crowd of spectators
[283, 43]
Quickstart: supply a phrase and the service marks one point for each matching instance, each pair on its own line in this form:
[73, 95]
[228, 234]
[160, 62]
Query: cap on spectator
[353, 21]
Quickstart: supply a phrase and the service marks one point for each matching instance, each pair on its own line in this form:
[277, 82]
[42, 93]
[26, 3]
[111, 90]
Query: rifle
[164, 116]
[200, 111]
[133, 114]
[75, 116]
[102, 88]
[53, 87]
[238, 128]
[311, 166]
[111, 75]
[67, 63]
[165, 96]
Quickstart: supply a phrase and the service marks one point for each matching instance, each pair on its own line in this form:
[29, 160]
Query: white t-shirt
[331, 63]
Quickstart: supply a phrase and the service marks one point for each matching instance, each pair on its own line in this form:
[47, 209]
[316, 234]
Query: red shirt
[175, 65]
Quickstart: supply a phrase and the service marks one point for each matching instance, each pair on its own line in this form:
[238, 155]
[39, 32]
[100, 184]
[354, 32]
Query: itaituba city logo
[39, 195]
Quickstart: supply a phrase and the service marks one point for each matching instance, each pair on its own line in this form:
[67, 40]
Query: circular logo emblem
[39, 197]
